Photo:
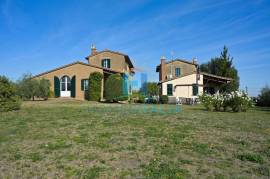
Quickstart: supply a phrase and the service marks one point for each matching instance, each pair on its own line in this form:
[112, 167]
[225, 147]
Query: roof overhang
[216, 78]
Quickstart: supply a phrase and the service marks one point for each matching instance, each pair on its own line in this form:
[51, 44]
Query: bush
[237, 101]
[114, 89]
[207, 101]
[141, 98]
[240, 101]
[164, 99]
[8, 99]
[94, 91]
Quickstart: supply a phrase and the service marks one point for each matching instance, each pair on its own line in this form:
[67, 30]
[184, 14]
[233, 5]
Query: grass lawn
[74, 139]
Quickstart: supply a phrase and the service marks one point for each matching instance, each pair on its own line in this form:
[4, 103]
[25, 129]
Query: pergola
[213, 83]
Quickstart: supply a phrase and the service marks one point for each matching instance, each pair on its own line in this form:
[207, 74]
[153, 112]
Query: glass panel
[63, 86]
[85, 85]
[68, 79]
[68, 86]
[169, 89]
[63, 80]
[106, 63]
[177, 71]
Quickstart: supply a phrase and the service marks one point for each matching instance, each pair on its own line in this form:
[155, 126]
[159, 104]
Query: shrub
[8, 99]
[237, 101]
[164, 99]
[95, 82]
[141, 98]
[240, 101]
[217, 101]
[114, 89]
[207, 101]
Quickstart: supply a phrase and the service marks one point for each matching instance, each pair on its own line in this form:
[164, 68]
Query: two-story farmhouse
[72, 80]
[183, 79]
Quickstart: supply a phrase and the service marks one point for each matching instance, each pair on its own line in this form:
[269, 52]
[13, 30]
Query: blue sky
[37, 36]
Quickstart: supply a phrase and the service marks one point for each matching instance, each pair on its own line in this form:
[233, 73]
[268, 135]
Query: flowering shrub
[240, 101]
[237, 101]
[207, 101]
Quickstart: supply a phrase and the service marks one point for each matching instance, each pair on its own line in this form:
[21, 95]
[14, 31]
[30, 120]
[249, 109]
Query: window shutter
[102, 63]
[109, 63]
[73, 87]
[56, 87]
[195, 90]
[169, 89]
[82, 85]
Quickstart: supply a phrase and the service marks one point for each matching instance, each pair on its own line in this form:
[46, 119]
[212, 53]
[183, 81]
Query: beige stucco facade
[119, 63]
[186, 68]
[182, 87]
[190, 83]
[81, 71]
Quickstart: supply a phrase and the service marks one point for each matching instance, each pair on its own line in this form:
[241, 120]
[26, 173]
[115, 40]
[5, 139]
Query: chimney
[162, 71]
[93, 50]
[195, 61]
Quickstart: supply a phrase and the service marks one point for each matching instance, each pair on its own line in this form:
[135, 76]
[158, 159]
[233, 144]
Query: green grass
[75, 139]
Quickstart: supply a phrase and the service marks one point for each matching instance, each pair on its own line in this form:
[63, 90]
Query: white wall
[183, 91]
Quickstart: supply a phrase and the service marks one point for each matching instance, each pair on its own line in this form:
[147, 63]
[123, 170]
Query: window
[84, 84]
[106, 63]
[169, 89]
[177, 72]
[195, 89]
[65, 83]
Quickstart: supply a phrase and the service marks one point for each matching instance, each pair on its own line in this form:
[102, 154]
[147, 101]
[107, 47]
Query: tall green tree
[223, 66]
[150, 89]
[43, 89]
[264, 97]
[29, 88]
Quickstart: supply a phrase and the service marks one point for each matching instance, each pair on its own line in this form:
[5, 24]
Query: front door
[65, 86]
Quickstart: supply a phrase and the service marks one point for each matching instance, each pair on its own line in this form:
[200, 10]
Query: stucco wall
[81, 72]
[183, 91]
[118, 62]
[186, 68]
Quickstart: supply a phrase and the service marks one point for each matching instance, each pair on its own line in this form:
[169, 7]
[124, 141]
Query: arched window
[106, 63]
[65, 83]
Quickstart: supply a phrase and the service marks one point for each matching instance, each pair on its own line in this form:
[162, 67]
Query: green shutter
[82, 85]
[169, 89]
[195, 90]
[102, 63]
[109, 63]
[56, 87]
[73, 87]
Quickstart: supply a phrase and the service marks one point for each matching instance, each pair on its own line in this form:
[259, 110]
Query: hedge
[114, 88]
[8, 99]
[95, 82]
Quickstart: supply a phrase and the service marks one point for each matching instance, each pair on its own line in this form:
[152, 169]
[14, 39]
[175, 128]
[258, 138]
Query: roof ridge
[74, 63]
